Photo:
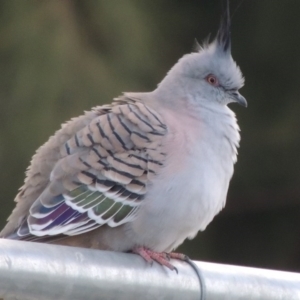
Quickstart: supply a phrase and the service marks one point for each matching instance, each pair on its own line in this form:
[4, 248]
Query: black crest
[224, 35]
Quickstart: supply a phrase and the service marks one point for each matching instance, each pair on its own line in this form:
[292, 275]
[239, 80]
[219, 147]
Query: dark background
[60, 57]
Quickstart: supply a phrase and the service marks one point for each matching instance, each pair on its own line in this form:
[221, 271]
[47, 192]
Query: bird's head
[210, 74]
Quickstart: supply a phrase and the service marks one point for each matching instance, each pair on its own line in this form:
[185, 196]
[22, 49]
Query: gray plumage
[149, 170]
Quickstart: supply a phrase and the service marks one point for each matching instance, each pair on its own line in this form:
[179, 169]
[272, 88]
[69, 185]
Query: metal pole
[43, 272]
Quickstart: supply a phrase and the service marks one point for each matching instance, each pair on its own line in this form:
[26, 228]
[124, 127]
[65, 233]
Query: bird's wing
[101, 171]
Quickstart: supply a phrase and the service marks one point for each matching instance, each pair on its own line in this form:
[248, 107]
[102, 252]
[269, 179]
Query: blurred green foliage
[60, 57]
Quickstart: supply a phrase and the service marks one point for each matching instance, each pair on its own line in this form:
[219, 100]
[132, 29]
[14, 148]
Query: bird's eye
[212, 80]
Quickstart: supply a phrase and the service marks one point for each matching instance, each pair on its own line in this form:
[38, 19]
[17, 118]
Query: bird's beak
[238, 98]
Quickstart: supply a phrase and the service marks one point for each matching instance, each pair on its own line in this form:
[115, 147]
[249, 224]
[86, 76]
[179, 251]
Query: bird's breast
[191, 187]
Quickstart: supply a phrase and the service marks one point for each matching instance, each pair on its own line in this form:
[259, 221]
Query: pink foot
[160, 257]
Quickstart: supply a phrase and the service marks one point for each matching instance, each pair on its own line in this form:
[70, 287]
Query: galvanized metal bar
[43, 272]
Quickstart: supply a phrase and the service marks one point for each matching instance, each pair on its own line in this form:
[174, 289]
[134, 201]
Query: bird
[143, 173]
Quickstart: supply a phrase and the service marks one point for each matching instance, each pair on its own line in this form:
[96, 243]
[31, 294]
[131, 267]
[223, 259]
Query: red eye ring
[212, 80]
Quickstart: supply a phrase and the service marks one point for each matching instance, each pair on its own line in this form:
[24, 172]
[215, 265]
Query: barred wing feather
[101, 174]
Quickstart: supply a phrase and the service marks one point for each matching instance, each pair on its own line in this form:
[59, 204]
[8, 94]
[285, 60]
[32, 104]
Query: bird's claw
[163, 258]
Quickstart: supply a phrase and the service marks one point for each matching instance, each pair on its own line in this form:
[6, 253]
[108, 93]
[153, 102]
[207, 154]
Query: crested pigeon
[144, 173]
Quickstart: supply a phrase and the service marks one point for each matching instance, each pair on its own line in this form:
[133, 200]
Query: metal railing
[43, 272]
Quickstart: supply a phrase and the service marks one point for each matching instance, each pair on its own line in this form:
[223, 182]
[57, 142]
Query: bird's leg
[150, 256]
[161, 257]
